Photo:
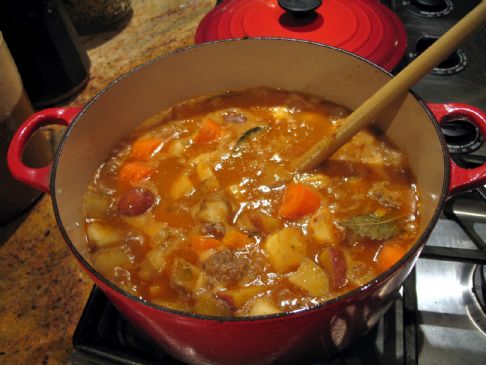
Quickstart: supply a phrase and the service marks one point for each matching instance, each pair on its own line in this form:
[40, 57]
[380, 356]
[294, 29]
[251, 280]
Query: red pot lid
[364, 27]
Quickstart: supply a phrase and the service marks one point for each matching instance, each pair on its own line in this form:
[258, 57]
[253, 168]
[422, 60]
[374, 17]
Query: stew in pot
[197, 210]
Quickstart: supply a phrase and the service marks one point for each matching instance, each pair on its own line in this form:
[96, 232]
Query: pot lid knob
[300, 8]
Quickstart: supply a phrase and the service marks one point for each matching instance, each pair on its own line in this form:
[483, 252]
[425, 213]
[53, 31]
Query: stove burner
[479, 288]
[461, 134]
[430, 8]
[453, 64]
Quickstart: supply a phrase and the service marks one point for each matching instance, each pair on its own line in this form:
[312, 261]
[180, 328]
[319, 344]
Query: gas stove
[440, 315]
[458, 78]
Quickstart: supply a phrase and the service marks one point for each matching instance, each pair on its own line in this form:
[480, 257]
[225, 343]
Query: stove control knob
[300, 8]
[461, 135]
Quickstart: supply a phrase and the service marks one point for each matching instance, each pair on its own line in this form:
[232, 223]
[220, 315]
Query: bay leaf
[374, 227]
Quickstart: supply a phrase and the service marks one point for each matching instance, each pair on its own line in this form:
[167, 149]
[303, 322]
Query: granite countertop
[43, 288]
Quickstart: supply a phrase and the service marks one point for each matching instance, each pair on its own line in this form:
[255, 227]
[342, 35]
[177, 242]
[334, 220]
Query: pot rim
[377, 281]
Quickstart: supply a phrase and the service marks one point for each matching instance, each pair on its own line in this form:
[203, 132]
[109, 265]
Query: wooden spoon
[396, 87]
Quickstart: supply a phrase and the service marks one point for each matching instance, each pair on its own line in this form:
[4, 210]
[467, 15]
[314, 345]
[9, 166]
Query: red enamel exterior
[288, 337]
[462, 179]
[38, 178]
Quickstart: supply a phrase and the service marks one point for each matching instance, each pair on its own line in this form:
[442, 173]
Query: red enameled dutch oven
[301, 66]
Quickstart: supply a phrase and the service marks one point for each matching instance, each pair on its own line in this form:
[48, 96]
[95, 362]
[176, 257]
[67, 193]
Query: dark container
[46, 48]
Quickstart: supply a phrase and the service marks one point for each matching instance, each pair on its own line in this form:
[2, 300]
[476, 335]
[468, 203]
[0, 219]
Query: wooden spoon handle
[397, 86]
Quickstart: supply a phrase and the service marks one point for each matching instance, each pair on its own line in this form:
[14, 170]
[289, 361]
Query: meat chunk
[216, 230]
[226, 267]
[382, 193]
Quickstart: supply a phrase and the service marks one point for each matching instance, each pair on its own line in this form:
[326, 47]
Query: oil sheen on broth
[196, 210]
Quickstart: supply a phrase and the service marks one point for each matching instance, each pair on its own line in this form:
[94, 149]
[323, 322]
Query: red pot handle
[38, 178]
[463, 179]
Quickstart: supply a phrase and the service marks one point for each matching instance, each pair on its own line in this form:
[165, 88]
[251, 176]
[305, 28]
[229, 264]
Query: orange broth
[208, 218]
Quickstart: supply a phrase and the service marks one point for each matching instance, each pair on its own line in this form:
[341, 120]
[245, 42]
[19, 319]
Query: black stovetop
[461, 78]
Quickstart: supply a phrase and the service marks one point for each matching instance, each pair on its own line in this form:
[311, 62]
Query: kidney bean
[135, 201]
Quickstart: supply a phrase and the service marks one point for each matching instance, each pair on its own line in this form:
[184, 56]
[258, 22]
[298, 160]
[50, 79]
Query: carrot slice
[143, 148]
[389, 255]
[299, 200]
[235, 239]
[209, 131]
[202, 243]
[134, 172]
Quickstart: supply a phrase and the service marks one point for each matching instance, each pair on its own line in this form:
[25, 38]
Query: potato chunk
[102, 235]
[176, 148]
[96, 205]
[264, 223]
[182, 186]
[317, 181]
[203, 170]
[145, 223]
[107, 260]
[209, 185]
[286, 249]
[237, 297]
[311, 278]
[323, 229]
[157, 258]
[263, 306]
[210, 305]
